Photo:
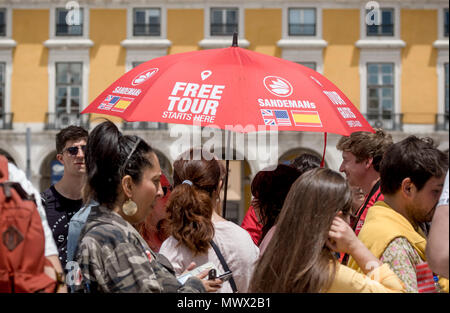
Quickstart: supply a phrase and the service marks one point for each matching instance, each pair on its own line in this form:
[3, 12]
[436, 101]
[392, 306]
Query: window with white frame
[224, 21]
[380, 91]
[5, 116]
[146, 22]
[384, 26]
[69, 22]
[68, 87]
[2, 22]
[302, 22]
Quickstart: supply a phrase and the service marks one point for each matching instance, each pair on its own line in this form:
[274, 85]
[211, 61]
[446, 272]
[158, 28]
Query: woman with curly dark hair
[195, 225]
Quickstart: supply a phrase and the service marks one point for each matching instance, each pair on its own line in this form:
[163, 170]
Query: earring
[129, 208]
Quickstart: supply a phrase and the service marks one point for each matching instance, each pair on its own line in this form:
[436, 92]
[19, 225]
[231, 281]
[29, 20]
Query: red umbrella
[228, 87]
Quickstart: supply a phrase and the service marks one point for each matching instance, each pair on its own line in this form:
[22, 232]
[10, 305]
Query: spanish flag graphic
[122, 104]
[306, 118]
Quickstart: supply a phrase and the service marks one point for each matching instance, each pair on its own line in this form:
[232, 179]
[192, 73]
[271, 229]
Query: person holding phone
[123, 177]
[198, 233]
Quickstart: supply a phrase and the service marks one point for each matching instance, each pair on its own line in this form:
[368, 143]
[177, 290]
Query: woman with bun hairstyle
[195, 226]
[123, 176]
[313, 223]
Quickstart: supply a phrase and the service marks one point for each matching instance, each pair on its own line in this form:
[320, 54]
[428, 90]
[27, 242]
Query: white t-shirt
[236, 246]
[17, 175]
[443, 200]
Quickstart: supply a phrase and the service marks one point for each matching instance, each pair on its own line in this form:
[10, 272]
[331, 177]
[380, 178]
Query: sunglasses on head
[74, 150]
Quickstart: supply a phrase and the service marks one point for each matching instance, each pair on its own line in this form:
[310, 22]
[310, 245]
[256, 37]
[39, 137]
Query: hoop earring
[129, 208]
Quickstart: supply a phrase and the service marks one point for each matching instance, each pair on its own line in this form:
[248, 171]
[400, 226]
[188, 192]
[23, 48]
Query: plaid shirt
[113, 257]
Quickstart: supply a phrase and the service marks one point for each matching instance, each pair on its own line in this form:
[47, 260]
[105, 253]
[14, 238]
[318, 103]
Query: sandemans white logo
[278, 86]
[142, 77]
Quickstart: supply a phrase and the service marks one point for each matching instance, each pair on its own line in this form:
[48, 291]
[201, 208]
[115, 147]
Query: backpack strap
[224, 264]
[3, 168]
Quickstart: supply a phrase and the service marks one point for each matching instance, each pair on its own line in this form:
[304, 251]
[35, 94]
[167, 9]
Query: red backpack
[22, 241]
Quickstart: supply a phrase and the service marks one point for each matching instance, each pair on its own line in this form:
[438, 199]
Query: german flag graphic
[306, 118]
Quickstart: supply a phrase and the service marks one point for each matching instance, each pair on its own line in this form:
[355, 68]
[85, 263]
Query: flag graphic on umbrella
[282, 118]
[306, 118]
[276, 117]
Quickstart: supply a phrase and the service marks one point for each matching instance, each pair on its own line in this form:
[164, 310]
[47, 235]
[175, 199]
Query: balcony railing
[220, 29]
[62, 120]
[144, 126]
[152, 29]
[6, 120]
[380, 30]
[441, 122]
[69, 30]
[302, 29]
[387, 121]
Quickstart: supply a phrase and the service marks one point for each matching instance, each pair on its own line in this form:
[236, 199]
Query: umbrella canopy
[228, 87]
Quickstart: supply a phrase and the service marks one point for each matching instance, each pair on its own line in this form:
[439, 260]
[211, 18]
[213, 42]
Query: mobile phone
[225, 276]
[212, 274]
[183, 278]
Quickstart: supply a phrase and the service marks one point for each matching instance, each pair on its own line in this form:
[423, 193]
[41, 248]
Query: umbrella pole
[322, 164]
[225, 191]
[227, 166]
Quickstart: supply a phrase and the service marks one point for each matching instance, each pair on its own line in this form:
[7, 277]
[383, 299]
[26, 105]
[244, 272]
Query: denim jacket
[75, 226]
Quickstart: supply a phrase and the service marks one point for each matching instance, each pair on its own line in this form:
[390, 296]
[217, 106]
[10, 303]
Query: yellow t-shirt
[381, 279]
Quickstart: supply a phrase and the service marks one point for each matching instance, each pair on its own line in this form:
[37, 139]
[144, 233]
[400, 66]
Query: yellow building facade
[395, 69]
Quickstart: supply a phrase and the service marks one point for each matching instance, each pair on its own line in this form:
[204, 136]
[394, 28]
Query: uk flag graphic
[268, 117]
[269, 121]
[266, 113]
[109, 102]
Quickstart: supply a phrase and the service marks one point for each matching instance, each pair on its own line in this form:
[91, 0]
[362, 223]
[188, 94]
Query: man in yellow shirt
[412, 175]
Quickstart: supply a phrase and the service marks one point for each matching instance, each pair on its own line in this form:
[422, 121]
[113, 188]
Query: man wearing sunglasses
[63, 199]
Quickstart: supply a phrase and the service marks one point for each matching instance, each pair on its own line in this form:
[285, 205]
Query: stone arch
[238, 197]
[291, 154]
[45, 170]
[9, 156]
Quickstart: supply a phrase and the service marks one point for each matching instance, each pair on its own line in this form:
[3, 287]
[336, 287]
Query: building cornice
[146, 43]
[380, 44]
[289, 43]
[68, 43]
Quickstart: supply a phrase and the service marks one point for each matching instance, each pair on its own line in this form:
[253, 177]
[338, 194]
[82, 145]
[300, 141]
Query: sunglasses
[166, 189]
[74, 150]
